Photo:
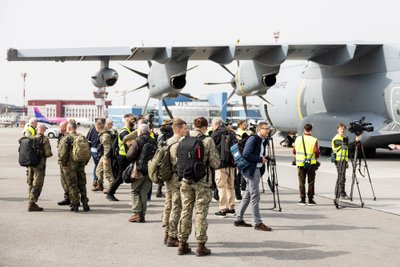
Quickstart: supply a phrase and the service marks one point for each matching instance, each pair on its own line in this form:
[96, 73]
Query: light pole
[23, 75]
[276, 36]
[123, 93]
[6, 104]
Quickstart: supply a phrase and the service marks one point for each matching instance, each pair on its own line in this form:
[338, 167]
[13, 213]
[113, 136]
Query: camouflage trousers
[35, 180]
[194, 195]
[75, 178]
[104, 170]
[172, 208]
[64, 183]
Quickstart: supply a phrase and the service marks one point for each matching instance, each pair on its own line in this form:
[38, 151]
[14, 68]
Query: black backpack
[225, 150]
[190, 154]
[146, 154]
[30, 152]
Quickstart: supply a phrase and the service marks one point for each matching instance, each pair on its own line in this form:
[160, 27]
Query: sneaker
[311, 202]
[230, 212]
[220, 213]
[345, 197]
[262, 227]
[111, 197]
[302, 202]
[241, 223]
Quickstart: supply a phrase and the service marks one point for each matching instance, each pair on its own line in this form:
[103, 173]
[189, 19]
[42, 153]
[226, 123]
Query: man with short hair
[225, 173]
[254, 153]
[63, 134]
[129, 121]
[241, 130]
[30, 128]
[197, 194]
[104, 167]
[173, 205]
[93, 137]
[36, 174]
[141, 183]
[306, 149]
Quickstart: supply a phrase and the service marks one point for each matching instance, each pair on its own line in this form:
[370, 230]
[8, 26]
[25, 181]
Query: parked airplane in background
[334, 82]
[57, 120]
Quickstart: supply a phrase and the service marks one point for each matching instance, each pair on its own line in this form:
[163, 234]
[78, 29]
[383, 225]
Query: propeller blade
[149, 63]
[245, 106]
[140, 87]
[211, 83]
[225, 68]
[268, 118]
[260, 96]
[144, 75]
[188, 96]
[167, 109]
[145, 106]
[229, 97]
[192, 67]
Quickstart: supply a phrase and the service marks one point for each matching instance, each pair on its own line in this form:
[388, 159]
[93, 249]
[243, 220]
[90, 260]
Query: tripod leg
[353, 176]
[369, 177]
[277, 188]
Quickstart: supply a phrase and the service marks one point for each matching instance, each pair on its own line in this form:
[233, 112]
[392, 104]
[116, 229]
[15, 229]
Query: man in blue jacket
[254, 152]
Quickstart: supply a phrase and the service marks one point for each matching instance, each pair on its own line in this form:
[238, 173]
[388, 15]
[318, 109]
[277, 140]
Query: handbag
[126, 174]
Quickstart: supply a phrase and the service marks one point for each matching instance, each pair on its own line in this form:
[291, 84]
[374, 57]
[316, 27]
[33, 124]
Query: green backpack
[81, 150]
[160, 167]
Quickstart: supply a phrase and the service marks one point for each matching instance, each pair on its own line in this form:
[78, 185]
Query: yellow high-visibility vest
[342, 153]
[29, 131]
[121, 146]
[309, 143]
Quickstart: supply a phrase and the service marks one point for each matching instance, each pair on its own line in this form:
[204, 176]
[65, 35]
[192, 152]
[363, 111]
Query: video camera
[253, 127]
[358, 127]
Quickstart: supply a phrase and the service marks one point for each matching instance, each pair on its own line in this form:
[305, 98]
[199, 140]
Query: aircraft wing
[272, 54]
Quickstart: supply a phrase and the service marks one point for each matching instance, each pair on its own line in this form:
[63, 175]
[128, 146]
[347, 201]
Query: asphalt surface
[302, 235]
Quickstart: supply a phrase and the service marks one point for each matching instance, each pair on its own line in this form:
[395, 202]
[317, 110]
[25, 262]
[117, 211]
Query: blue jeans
[95, 157]
[251, 195]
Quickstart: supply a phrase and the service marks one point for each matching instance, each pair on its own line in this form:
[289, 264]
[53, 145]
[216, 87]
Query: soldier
[173, 205]
[36, 174]
[74, 172]
[197, 194]
[63, 134]
[104, 166]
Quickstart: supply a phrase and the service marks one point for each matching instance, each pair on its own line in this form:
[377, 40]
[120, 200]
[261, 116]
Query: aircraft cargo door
[395, 102]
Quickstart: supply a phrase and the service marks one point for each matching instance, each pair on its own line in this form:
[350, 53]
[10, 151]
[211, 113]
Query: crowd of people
[198, 159]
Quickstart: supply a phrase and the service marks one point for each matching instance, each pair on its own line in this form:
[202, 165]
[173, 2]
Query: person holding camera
[306, 151]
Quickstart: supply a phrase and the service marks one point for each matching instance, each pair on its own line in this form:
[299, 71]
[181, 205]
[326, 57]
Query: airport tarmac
[302, 235]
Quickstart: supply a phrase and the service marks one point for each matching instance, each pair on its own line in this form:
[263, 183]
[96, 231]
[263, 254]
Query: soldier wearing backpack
[173, 205]
[196, 154]
[63, 134]
[140, 152]
[37, 173]
[74, 154]
[104, 167]
[225, 174]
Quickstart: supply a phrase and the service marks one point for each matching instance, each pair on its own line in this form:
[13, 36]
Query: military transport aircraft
[335, 82]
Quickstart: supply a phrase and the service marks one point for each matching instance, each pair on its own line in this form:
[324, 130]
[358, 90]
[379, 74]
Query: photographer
[306, 151]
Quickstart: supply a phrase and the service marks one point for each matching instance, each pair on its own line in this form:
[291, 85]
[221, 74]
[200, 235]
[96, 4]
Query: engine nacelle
[104, 78]
[178, 82]
[269, 80]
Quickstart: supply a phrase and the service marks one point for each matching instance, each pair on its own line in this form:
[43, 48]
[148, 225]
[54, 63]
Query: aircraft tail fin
[38, 114]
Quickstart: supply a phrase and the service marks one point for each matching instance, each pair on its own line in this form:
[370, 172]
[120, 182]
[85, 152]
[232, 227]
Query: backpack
[160, 167]
[237, 153]
[225, 154]
[114, 151]
[147, 152]
[81, 150]
[190, 154]
[30, 152]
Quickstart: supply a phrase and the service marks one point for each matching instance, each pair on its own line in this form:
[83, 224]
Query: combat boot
[183, 248]
[74, 207]
[165, 237]
[33, 207]
[85, 207]
[99, 187]
[172, 242]
[64, 202]
[201, 250]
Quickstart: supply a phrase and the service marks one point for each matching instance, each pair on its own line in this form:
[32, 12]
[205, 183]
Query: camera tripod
[359, 157]
[272, 174]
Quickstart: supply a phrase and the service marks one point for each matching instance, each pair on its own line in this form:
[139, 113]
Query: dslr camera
[358, 127]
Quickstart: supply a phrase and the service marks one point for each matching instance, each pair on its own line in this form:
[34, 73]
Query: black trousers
[123, 163]
[310, 174]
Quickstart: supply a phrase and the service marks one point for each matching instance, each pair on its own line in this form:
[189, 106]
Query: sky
[98, 23]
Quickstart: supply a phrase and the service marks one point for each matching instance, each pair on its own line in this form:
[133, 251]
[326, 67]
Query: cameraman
[340, 148]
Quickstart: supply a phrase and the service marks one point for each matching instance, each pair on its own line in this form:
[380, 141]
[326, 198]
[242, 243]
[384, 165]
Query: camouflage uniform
[173, 205]
[75, 176]
[198, 194]
[62, 174]
[104, 169]
[36, 174]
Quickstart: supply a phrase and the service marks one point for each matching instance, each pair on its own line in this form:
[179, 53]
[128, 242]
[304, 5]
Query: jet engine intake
[178, 82]
[268, 80]
[104, 78]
